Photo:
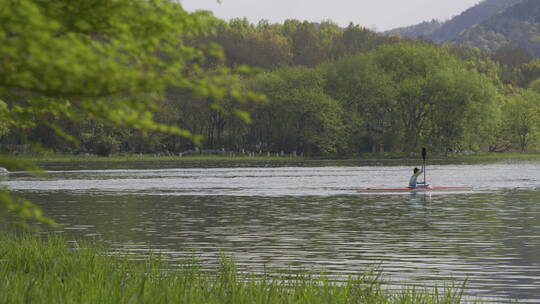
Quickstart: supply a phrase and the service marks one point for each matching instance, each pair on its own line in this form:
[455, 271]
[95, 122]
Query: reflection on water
[315, 219]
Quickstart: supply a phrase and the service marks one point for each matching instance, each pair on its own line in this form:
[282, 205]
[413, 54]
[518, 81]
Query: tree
[410, 66]
[522, 118]
[512, 55]
[464, 111]
[354, 39]
[530, 72]
[535, 85]
[307, 47]
[261, 47]
[479, 60]
[367, 94]
[100, 60]
[440, 100]
[298, 115]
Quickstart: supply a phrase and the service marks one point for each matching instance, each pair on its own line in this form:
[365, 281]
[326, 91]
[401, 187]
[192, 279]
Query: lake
[313, 217]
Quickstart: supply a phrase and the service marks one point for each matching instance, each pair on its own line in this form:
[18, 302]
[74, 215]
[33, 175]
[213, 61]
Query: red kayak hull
[418, 189]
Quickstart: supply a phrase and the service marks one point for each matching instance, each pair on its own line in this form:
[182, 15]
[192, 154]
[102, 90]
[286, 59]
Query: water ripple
[316, 219]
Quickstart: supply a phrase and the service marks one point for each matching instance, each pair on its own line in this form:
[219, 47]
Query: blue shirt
[413, 181]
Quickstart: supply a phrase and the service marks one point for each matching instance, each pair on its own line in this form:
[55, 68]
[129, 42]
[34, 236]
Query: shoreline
[69, 162]
[56, 158]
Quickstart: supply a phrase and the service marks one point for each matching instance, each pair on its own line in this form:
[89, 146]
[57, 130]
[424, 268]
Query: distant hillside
[518, 26]
[425, 29]
[449, 30]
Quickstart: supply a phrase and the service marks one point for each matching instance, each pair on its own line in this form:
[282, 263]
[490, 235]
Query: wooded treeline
[329, 91]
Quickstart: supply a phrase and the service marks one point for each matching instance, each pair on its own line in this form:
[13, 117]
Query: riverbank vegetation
[44, 159]
[329, 91]
[33, 270]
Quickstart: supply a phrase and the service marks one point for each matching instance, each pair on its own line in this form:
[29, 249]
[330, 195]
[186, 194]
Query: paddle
[424, 153]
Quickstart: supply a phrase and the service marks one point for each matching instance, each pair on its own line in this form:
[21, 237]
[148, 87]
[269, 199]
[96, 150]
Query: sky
[379, 15]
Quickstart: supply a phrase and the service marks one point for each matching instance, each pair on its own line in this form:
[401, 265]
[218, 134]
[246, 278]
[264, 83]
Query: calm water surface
[315, 218]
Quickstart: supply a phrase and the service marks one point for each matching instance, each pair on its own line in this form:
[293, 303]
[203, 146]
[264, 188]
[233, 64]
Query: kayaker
[413, 182]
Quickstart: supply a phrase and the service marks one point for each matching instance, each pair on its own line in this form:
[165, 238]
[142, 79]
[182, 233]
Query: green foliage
[4, 125]
[367, 95]
[108, 63]
[298, 116]
[293, 42]
[307, 46]
[18, 211]
[49, 271]
[158, 84]
[356, 39]
[102, 61]
[404, 95]
[512, 56]
[535, 85]
[422, 75]
[262, 47]
[522, 119]
[529, 72]
[464, 110]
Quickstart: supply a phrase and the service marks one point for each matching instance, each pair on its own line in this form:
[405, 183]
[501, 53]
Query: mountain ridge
[518, 26]
[488, 25]
[445, 30]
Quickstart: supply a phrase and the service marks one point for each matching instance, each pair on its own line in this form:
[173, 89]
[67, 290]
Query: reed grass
[33, 270]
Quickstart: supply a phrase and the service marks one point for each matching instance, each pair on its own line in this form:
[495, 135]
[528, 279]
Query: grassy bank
[36, 271]
[497, 156]
[52, 158]
[147, 161]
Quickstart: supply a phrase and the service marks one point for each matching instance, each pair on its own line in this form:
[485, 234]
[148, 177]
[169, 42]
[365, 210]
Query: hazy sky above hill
[375, 14]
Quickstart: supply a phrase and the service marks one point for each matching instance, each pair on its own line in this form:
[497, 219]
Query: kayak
[404, 189]
[422, 188]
